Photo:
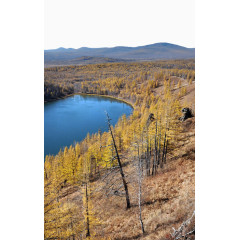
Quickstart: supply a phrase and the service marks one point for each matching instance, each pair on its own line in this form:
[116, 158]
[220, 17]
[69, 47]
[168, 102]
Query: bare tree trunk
[95, 166]
[142, 148]
[100, 140]
[87, 213]
[155, 153]
[148, 155]
[120, 165]
[165, 159]
[140, 190]
[159, 148]
[164, 144]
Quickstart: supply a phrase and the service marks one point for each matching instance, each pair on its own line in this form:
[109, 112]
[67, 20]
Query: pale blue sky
[108, 23]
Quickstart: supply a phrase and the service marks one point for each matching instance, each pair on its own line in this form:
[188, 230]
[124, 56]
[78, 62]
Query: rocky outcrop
[187, 113]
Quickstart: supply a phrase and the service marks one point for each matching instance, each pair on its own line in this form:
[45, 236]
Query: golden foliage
[150, 92]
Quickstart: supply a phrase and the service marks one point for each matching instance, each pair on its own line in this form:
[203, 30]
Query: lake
[69, 120]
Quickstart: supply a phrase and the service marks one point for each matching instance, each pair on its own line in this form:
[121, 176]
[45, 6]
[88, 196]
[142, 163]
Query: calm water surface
[69, 120]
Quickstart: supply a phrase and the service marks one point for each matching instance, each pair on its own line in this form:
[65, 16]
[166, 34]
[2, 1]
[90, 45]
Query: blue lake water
[69, 120]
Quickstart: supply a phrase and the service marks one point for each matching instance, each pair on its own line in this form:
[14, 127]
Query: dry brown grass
[168, 197]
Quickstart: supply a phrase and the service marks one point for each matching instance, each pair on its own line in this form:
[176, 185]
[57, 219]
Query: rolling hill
[84, 55]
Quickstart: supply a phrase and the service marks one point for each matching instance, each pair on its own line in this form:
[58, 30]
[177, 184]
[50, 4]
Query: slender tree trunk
[142, 152]
[165, 159]
[147, 152]
[120, 165]
[155, 152]
[87, 213]
[159, 149]
[140, 190]
[164, 144]
[146, 161]
[100, 140]
[148, 156]
[56, 222]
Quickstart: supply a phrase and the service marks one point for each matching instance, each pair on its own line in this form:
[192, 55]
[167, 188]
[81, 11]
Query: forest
[135, 181]
[64, 80]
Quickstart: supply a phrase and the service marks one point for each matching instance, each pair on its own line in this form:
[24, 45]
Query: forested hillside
[135, 181]
[64, 80]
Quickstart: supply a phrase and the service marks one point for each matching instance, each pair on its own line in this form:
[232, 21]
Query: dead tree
[181, 232]
[87, 213]
[140, 190]
[155, 160]
[165, 152]
[148, 143]
[147, 154]
[164, 148]
[159, 146]
[119, 163]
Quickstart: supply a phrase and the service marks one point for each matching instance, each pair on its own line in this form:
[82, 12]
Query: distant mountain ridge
[157, 51]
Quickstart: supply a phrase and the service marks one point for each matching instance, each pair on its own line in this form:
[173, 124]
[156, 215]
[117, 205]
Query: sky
[109, 23]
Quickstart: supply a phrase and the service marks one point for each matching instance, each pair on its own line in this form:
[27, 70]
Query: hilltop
[157, 51]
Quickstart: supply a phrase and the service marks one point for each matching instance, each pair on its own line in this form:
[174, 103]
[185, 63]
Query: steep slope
[168, 195]
[168, 198]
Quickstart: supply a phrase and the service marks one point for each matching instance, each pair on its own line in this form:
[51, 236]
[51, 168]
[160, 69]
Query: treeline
[144, 140]
[138, 88]
[111, 78]
[54, 91]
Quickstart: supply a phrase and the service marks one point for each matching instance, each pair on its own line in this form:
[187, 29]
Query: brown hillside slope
[168, 197]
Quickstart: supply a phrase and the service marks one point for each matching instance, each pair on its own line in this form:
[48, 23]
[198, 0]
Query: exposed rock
[187, 113]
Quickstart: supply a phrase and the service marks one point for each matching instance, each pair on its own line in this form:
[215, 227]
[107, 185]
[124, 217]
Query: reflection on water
[70, 119]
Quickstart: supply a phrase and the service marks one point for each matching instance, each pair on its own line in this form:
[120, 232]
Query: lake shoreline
[93, 94]
[98, 104]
